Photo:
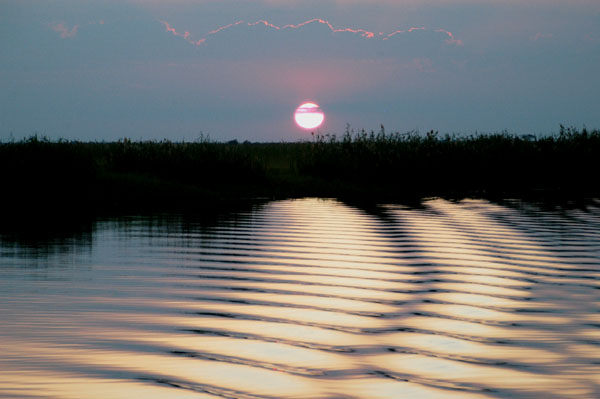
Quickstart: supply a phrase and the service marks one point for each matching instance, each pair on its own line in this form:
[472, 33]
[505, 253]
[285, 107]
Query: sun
[309, 116]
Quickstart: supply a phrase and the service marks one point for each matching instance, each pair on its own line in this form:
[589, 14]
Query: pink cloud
[64, 31]
[396, 32]
[212, 32]
[451, 39]
[539, 36]
[362, 32]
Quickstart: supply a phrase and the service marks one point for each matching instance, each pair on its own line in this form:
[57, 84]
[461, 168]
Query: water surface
[308, 299]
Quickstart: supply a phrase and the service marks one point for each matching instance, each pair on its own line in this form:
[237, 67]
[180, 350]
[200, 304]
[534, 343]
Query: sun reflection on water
[314, 299]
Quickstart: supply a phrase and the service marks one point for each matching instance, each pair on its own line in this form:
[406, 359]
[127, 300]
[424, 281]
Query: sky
[185, 69]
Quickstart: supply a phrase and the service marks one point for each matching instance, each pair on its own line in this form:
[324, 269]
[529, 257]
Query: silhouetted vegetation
[494, 165]
[57, 176]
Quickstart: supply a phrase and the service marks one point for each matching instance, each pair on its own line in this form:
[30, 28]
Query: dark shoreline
[71, 177]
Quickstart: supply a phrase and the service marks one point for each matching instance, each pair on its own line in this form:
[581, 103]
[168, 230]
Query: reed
[139, 175]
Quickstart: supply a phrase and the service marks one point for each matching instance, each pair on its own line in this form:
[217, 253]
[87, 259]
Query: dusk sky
[150, 69]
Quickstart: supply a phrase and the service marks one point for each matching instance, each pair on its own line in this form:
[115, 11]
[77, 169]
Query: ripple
[312, 299]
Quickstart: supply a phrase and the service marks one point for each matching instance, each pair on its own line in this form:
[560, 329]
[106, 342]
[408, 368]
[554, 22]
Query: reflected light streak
[312, 299]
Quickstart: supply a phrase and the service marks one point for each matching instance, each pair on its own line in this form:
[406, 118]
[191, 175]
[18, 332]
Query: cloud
[540, 36]
[65, 32]
[450, 39]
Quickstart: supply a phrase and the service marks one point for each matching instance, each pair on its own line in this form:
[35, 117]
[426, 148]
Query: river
[308, 298]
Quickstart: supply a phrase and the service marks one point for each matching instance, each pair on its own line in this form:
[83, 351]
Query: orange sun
[309, 116]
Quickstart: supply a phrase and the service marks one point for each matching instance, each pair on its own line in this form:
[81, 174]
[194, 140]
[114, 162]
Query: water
[308, 299]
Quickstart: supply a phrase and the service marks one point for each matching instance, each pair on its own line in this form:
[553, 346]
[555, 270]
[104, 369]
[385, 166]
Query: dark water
[309, 299]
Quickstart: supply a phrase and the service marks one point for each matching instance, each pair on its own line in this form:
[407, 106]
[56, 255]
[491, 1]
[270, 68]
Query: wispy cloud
[450, 39]
[64, 31]
[540, 36]
[397, 32]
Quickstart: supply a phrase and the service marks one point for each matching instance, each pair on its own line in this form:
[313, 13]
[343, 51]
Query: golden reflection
[195, 373]
[388, 387]
[461, 328]
[305, 279]
[475, 288]
[316, 299]
[298, 315]
[488, 316]
[475, 376]
[474, 276]
[476, 299]
[466, 349]
[52, 384]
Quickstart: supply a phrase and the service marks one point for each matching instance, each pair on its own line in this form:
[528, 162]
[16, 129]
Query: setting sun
[309, 116]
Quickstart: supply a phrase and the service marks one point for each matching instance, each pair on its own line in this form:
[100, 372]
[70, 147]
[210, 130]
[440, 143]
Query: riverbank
[59, 176]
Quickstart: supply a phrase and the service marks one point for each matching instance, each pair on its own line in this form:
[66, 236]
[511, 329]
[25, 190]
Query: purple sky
[149, 69]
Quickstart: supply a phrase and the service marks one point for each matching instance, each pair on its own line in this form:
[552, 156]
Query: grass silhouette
[56, 176]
